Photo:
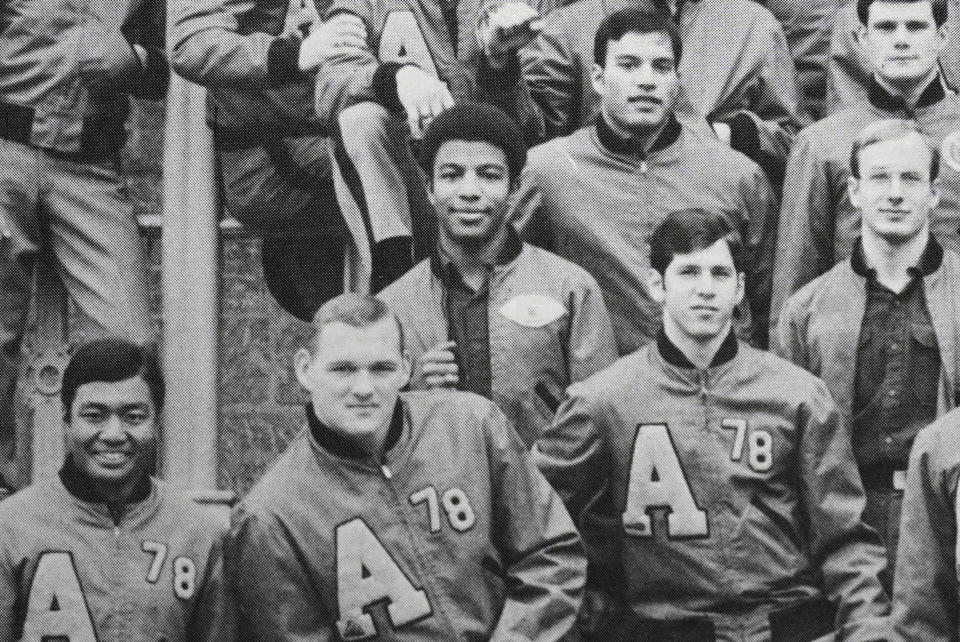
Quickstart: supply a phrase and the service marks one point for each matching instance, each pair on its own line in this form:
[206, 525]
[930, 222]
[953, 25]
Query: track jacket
[452, 535]
[66, 67]
[818, 224]
[819, 329]
[246, 53]
[735, 63]
[725, 492]
[418, 32]
[67, 572]
[597, 208]
[926, 593]
[849, 69]
[548, 328]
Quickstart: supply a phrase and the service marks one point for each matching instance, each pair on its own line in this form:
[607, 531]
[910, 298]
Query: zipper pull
[386, 471]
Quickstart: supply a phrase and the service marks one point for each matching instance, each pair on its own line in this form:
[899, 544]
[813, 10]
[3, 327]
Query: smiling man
[104, 551]
[819, 223]
[488, 313]
[594, 197]
[401, 517]
[881, 327]
[714, 483]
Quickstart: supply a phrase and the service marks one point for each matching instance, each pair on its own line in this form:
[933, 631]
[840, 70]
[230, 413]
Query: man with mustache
[818, 222]
[594, 197]
[104, 551]
[881, 327]
[488, 313]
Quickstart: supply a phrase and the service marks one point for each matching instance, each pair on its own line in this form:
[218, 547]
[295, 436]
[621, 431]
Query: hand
[341, 33]
[423, 96]
[507, 28]
[439, 366]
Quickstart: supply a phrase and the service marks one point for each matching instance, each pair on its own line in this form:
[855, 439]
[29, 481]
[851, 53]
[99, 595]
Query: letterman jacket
[452, 534]
[548, 328]
[68, 572]
[722, 493]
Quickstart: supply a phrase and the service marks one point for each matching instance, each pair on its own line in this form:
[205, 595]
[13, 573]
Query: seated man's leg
[371, 151]
[284, 193]
[99, 250]
[18, 219]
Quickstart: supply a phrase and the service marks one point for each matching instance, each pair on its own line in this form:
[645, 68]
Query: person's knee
[363, 127]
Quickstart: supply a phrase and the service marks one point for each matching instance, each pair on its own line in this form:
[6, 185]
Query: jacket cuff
[283, 60]
[384, 85]
[745, 136]
[489, 78]
[156, 76]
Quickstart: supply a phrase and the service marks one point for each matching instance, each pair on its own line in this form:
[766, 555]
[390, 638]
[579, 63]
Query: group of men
[557, 418]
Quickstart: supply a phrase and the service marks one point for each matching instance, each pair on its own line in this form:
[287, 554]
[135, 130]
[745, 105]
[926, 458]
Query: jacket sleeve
[552, 76]
[804, 238]
[849, 68]
[276, 598]
[788, 340]
[9, 589]
[925, 603]
[527, 214]
[214, 614]
[760, 238]
[591, 346]
[807, 27]
[848, 552]
[542, 552]
[209, 44]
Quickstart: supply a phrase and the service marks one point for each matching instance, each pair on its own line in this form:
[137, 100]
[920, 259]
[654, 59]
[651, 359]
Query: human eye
[627, 63]
[663, 65]
[93, 414]
[135, 415]
[449, 173]
[722, 272]
[492, 173]
[341, 367]
[917, 25]
[885, 25]
[383, 368]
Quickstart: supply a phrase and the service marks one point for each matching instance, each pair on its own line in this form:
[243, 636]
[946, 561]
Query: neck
[646, 137]
[116, 496]
[910, 91]
[699, 352]
[891, 261]
[472, 260]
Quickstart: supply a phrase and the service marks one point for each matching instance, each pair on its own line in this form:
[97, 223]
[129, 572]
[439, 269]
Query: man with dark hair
[410, 517]
[420, 57]
[594, 197]
[273, 152]
[850, 66]
[67, 71]
[105, 551]
[881, 327]
[736, 72]
[713, 483]
[818, 223]
[488, 313]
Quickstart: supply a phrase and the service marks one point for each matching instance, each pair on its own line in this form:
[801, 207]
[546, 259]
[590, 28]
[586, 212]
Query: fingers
[439, 366]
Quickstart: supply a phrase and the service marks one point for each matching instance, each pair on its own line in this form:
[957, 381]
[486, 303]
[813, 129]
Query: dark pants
[883, 515]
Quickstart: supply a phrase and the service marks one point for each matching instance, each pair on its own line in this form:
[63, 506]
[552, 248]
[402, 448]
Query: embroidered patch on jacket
[950, 150]
[532, 310]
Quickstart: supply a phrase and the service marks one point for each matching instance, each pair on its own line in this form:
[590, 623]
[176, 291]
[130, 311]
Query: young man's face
[111, 432]
[903, 41]
[469, 190]
[699, 291]
[894, 192]
[638, 82]
[354, 376]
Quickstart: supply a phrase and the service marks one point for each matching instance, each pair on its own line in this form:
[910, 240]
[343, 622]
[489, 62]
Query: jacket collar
[882, 99]
[448, 274]
[617, 144]
[929, 261]
[79, 485]
[672, 354]
[344, 447]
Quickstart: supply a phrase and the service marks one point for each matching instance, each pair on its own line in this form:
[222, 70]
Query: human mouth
[112, 458]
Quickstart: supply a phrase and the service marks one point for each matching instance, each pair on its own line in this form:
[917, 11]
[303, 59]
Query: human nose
[705, 284]
[362, 384]
[113, 431]
[895, 192]
[469, 187]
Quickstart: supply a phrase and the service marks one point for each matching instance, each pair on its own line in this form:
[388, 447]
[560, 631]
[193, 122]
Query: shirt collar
[882, 99]
[79, 485]
[929, 261]
[617, 144]
[673, 355]
[445, 270]
[343, 446]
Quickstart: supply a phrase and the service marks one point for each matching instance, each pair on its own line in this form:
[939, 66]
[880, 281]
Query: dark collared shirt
[898, 366]
[468, 319]
[886, 101]
[673, 355]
